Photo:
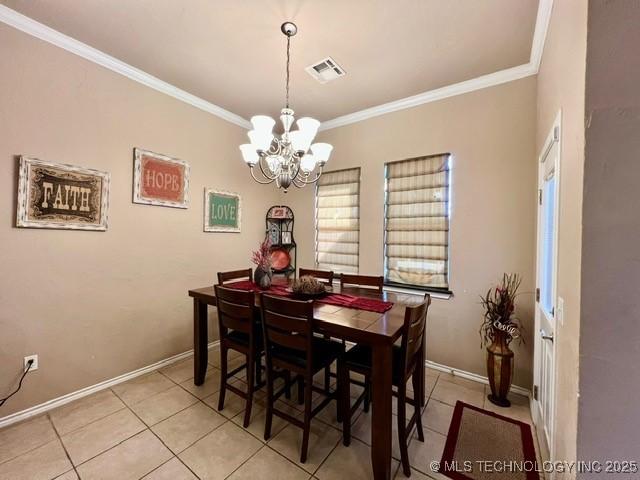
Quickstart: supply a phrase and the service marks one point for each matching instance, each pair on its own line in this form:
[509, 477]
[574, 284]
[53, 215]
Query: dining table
[377, 330]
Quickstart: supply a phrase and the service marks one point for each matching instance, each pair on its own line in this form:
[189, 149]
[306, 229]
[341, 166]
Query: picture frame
[222, 211]
[160, 180]
[278, 212]
[61, 196]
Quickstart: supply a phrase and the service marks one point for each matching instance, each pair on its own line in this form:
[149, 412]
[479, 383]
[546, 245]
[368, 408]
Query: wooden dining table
[377, 330]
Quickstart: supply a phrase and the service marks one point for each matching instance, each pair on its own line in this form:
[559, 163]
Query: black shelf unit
[279, 229]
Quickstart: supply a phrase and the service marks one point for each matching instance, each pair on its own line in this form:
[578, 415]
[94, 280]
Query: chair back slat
[362, 281]
[224, 277]
[415, 320]
[235, 309]
[286, 339]
[321, 275]
[287, 323]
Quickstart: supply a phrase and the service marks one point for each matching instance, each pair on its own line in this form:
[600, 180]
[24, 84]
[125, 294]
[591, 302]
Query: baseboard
[70, 397]
[78, 394]
[473, 376]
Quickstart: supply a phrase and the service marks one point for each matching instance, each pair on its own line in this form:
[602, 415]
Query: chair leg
[258, 370]
[300, 390]
[223, 376]
[343, 392]
[367, 394]
[269, 412]
[287, 385]
[402, 429]
[417, 400]
[307, 420]
[327, 379]
[250, 387]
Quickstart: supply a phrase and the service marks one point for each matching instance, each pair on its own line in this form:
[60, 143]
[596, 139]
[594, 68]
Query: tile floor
[160, 426]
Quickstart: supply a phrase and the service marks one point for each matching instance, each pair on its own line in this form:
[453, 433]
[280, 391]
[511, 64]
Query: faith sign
[54, 195]
[221, 211]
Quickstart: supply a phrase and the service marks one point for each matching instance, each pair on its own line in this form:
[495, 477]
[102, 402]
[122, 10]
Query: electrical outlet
[34, 366]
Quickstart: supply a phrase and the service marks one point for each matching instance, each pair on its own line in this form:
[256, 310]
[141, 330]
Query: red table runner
[339, 299]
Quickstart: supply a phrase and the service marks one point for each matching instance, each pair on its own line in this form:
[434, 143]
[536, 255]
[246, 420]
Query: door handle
[544, 336]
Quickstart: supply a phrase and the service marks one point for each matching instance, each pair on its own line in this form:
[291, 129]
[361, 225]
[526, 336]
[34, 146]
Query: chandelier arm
[307, 182]
[276, 150]
[262, 182]
[298, 185]
[266, 175]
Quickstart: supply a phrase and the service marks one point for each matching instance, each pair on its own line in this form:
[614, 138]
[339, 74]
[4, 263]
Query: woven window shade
[417, 222]
[338, 221]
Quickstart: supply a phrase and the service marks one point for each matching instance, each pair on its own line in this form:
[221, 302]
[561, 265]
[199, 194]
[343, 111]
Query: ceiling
[231, 52]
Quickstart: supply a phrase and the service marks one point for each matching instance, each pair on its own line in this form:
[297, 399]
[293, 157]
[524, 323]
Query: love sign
[221, 211]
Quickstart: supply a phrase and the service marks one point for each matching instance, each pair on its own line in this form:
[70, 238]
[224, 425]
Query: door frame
[554, 136]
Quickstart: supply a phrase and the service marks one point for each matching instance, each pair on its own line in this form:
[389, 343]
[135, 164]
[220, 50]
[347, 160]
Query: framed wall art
[55, 195]
[160, 180]
[222, 211]
[278, 212]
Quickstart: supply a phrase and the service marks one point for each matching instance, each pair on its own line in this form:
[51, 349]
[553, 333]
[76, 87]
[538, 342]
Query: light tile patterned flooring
[160, 426]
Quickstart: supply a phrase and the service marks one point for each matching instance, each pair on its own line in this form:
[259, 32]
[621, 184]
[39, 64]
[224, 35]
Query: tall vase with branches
[499, 328]
[262, 259]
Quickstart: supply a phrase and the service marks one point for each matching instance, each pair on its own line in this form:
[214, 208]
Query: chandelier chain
[288, 159]
[288, 61]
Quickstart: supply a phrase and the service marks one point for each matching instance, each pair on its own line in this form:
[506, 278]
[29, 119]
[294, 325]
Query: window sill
[416, 291]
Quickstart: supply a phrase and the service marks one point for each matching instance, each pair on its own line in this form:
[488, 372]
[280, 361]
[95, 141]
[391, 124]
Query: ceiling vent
[325, 70]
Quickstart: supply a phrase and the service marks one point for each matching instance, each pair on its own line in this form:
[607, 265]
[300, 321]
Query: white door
[546, 308]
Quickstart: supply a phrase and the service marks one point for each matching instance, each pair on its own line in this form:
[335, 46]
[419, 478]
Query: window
[338, 221]
[416, 241]
[548, 235]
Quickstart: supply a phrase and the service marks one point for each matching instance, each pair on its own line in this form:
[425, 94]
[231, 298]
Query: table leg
[200, 341]
[381, 417]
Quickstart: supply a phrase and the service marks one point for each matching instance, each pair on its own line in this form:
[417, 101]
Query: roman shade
[338, 221]
[417, 222]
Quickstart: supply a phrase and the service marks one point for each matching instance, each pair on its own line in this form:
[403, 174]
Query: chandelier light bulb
[309, 126]
[298, 141]
[260, 139]
[262, 123]
[308, 163]
[249, 154]
[321, 152]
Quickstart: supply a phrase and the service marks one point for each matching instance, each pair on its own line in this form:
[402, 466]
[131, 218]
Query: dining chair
[374, 283]
[289, 344]
[324, 276]
[362, 281]
[225, 277]
[238, 331]
[406, 360]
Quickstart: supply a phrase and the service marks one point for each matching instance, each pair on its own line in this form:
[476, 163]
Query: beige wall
[561, 81]
[610, 326]
[491, 136]
[95, 305]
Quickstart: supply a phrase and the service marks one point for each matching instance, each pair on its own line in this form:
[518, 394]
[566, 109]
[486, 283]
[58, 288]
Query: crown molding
[503, 76]
[41, 31]
[489, 80]
[540, 33]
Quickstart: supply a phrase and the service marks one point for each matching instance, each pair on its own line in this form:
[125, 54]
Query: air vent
[325, 70]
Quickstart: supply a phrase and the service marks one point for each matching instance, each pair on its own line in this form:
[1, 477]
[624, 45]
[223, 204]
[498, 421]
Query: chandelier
[289, 159]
